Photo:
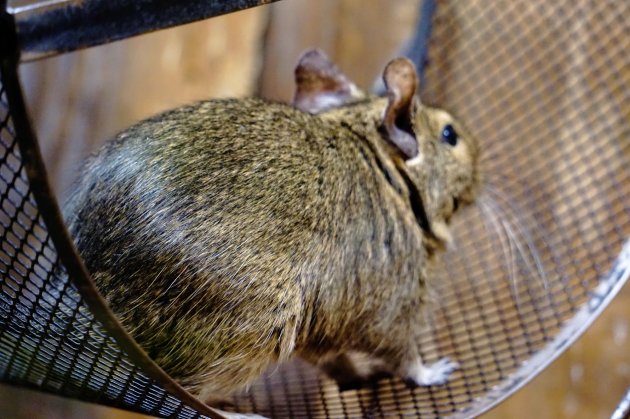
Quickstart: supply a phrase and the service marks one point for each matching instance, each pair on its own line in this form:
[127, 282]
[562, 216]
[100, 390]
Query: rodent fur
[231, 234]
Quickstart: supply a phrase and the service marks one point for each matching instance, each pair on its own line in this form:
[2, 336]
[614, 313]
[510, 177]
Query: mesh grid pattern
[49, 340]
[544, 86]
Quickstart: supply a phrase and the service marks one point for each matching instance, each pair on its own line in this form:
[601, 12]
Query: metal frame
[623, 409]
[601, 296]
[418, 48]
[59, 26]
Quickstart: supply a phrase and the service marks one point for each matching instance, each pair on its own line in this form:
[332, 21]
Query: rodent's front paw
[420, 374]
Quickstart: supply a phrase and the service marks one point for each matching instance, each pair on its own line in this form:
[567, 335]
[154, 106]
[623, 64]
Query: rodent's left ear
[401, 81]
[320, 85]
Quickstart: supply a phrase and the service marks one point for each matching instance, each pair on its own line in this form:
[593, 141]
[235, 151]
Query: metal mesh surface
[544, 87]
[49, 339]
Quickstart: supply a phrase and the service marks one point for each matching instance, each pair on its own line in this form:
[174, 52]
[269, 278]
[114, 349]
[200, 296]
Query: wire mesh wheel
[544, 88]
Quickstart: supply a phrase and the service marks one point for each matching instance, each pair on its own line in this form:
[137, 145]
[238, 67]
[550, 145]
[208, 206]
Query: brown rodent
[232, 234]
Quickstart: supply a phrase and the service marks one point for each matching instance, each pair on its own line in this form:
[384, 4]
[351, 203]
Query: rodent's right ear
[401, 81]
[320, 85]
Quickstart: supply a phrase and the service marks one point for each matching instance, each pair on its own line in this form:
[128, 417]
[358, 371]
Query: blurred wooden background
[81, 99]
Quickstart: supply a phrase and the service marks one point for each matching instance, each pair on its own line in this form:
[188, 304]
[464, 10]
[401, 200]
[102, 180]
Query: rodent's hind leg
[419, 374]
[405, 360]
[219, 402]
[354, 370]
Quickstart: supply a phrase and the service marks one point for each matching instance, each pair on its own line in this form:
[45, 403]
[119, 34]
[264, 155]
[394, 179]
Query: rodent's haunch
[232, 234]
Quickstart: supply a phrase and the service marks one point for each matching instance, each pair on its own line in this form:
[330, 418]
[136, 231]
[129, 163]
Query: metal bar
[623, 409]
[59, 26]
[418, 48]
[51, 214]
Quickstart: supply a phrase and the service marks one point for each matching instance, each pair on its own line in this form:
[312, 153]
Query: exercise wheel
[543, 85]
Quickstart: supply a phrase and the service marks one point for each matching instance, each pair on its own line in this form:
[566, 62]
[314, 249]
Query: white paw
[434, 374]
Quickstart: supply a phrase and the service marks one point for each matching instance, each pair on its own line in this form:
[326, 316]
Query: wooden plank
[80, 99]
[359, 39]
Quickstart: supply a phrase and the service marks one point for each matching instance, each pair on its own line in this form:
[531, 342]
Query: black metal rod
[51, 214]
[418, 49]
[60, 26]
[623, 409]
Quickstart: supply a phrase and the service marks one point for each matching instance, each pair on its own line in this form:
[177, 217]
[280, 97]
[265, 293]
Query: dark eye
[449, 135]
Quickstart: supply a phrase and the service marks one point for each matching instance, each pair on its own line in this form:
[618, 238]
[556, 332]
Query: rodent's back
[211, 162]
[208, 224]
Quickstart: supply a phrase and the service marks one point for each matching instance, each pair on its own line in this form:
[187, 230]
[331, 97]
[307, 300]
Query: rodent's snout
[466, 152]
[470, 184]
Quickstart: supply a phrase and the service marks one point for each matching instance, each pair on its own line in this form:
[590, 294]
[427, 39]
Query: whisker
[515, 221]
[490, 217]
[517, 243]
[512, 236]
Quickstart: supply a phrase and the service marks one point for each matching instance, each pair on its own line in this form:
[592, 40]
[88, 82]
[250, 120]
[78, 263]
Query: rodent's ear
[401, 81]
[320, 85]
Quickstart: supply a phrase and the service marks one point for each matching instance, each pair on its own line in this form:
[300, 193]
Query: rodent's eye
[449, 135]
